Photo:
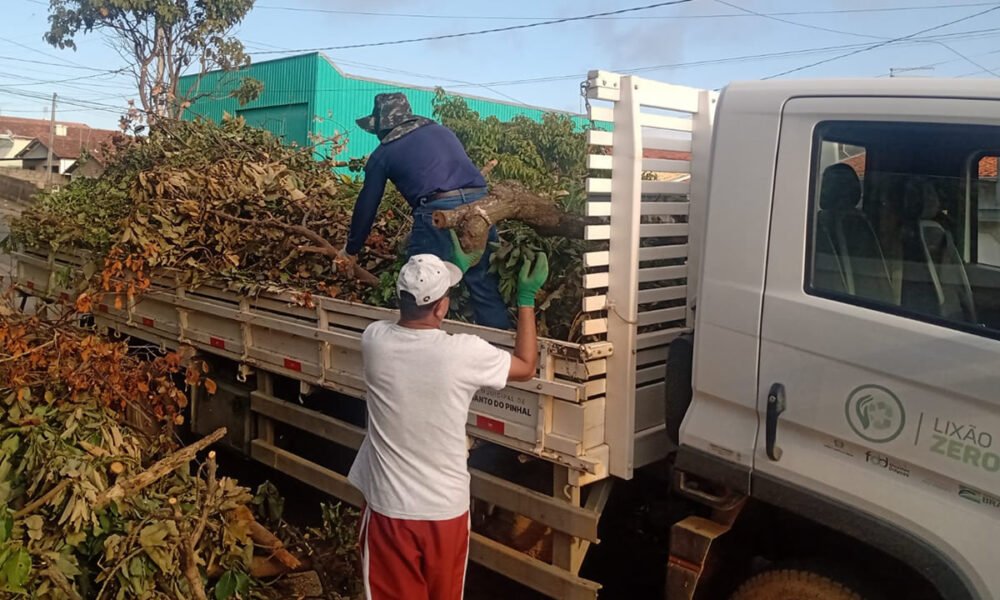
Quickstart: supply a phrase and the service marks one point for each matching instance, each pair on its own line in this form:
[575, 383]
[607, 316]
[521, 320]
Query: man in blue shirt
[428, 165]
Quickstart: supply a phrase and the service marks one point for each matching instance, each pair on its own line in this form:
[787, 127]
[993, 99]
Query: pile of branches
[92, 508]
[195, 201]
[198, 201]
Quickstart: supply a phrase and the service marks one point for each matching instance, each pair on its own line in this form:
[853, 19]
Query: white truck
[793, 296]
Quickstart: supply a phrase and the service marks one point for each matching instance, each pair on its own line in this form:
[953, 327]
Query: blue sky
[702, 43]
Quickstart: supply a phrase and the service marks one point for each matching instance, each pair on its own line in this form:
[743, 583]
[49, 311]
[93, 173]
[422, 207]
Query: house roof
[987, 165]
[33, 128]
[665, 154]
[74, 143]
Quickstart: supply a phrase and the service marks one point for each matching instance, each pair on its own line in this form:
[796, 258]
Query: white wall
[9, 147]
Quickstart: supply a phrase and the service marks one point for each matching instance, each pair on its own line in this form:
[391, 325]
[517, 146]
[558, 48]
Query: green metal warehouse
[306, 97]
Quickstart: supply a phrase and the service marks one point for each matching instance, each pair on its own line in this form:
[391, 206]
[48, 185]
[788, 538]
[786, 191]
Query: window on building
[905, 218]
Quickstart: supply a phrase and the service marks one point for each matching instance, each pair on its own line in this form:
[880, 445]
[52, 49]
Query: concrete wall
[20, 186]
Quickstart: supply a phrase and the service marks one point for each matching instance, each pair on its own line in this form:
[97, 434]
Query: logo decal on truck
[875, 414]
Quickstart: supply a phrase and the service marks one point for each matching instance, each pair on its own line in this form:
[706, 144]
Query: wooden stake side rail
[557, 416]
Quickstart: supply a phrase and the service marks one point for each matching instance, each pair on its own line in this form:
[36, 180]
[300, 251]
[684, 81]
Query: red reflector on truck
[147, 322]
[217, 343]
[489, 424]
[293, 365]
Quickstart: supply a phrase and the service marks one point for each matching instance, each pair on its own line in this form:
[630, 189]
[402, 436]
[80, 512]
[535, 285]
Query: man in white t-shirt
[412, 465]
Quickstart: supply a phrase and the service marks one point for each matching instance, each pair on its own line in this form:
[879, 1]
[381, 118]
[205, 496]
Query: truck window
[905, 218]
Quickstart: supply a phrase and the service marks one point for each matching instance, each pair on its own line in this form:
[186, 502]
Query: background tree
[161, 40]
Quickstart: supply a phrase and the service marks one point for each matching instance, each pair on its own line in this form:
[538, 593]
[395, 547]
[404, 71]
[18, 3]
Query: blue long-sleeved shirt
[423, 162]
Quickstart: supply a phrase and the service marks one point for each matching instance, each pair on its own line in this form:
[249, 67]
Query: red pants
[413, 560]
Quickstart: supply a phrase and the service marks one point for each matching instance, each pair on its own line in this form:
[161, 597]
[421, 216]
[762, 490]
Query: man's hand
[462, 259]
[531, 279]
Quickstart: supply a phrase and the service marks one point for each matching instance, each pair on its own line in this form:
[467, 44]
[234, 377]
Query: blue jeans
[488, 306]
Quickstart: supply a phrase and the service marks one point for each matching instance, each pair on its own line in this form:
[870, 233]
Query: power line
[881, 44]
[740, 58]
[485, 31]
[772, 17]
[842, 32]
[64, 100]
[52, 81]
[52, 64]
[65, 61]
[442, 17]
[81, 86]
[960, 35]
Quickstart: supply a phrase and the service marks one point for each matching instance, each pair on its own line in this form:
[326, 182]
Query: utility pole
[52, 141]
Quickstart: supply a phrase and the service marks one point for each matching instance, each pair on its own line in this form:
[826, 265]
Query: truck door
[879, 381]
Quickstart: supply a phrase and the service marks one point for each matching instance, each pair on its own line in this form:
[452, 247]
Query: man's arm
[366, 207]
[525, 359]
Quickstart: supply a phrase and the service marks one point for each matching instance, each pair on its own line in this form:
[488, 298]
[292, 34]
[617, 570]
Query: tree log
[265, 540]
[507, 200]
[136, 483]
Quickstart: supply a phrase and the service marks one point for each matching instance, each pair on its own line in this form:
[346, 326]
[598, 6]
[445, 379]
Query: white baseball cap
[427, 278]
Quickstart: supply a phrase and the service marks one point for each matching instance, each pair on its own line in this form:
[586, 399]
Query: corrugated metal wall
[340, 99]
[289, 85]
[333, 100]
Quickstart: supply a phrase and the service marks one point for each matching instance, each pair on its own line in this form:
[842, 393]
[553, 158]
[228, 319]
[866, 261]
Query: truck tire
[793, 584]
[680, 358]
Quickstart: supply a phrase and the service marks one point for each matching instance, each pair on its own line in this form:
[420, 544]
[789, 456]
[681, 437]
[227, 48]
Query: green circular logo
[875, 414]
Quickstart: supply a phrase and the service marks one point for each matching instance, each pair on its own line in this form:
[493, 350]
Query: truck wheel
[680, 357]
[793, 584]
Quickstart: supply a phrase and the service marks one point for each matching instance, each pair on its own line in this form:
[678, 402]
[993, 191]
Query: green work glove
[462, 259]
[531, 279]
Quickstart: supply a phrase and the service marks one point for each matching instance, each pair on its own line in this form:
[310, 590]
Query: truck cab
[847, 324]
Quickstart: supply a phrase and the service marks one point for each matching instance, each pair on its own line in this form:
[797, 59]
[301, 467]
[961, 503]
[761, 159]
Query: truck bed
[594, 411]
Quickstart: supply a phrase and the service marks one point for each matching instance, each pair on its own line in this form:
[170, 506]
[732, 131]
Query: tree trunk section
[507, 200]
[136, 483]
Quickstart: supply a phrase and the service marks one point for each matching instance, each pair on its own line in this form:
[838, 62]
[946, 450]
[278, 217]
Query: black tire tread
[793, 584]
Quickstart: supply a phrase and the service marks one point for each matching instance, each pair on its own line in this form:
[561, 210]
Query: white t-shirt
[412, 463]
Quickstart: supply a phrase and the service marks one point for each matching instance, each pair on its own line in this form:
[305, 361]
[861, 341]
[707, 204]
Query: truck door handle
[775, 406]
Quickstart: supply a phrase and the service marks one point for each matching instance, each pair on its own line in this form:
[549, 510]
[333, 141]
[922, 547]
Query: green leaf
[34, 523]
[6, 525]
[16, 569]
[226, 587]
[153, 539]
[75, 539]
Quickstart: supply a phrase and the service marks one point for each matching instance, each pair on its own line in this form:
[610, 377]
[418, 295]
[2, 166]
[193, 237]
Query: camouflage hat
[390, 111]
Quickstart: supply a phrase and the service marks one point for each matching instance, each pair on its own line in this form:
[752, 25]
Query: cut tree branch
[322, 245]
[160, 469]
[43, 499]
